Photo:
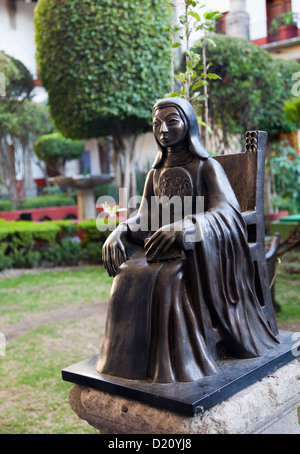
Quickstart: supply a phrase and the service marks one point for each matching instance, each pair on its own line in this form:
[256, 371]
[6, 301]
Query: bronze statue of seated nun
[183, 292]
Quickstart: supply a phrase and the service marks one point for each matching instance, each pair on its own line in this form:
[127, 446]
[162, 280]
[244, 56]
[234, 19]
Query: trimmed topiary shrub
[103, 63]
[55, 149]
[26, 232]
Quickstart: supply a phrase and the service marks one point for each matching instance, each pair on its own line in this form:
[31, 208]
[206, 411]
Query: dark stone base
[193, 398]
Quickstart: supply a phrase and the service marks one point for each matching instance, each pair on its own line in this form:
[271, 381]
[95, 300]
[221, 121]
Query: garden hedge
[54, 200]
[25, 244]
[6, 205]
[44, 201]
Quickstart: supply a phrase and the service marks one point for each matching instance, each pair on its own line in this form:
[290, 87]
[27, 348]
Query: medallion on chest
[173, 182]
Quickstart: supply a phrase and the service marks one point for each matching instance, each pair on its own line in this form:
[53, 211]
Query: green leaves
[192, 3]
[17, 78]
[212, 76]
[104, 63]
[194, 15]
[292, 110]
[20, 118]
[285, 167]
[193, 59]
[54, 147]
[212, 15]
[189, 82]
[252, 90]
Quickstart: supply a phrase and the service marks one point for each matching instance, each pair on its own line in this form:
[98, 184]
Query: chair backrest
[246, 174]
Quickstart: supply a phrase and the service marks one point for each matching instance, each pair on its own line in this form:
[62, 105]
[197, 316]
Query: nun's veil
[193, 136]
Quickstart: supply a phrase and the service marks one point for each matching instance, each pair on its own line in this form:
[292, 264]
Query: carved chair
[246, 173]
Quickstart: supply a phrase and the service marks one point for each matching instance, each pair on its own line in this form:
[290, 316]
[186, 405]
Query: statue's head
[174, 120]
[169, 125]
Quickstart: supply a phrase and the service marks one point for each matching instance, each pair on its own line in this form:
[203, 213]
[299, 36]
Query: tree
[251, 92]
[104, 64]
[285, 171]
[18, 80]
[292, 110]
[55, 150]
[189, 81]
[21, 122]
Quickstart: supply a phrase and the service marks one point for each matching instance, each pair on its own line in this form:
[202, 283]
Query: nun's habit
[171, 319]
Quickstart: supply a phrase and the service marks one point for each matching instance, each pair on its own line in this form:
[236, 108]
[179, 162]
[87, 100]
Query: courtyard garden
[51, 319]
[54, 317]
[54, 289]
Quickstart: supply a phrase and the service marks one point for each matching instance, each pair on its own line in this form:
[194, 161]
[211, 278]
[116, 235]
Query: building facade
[271, 24]
[17, 40]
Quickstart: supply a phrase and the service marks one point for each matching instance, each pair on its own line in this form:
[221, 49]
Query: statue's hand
[114, 251]
[162, 240]
[180, 236]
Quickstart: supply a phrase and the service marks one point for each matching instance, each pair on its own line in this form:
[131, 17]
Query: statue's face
[168, 126]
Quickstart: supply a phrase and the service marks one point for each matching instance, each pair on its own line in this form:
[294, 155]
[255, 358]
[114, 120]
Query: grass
[287, 293]
[34, 397]
[287, 287]
[32, 394]
[34, 293]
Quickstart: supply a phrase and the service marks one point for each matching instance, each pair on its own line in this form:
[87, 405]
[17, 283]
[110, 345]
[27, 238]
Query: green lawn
[32, 394]
[287, 294]
[34, 293]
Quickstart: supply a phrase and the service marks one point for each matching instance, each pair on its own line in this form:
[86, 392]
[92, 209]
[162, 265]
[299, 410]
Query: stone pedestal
[86, 204]
[269, 406]
[85, 185]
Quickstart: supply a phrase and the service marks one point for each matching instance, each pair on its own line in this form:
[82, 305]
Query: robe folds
[172, 320]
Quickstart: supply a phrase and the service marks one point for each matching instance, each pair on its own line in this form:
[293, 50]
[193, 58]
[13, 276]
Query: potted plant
[286, 23]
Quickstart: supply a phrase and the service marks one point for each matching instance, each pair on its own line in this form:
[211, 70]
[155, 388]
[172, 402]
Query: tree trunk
[187, 43]
[205, 94]
[268, 184]
[13, 181]
[11, 162]
[27, 178]
[124, 163]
